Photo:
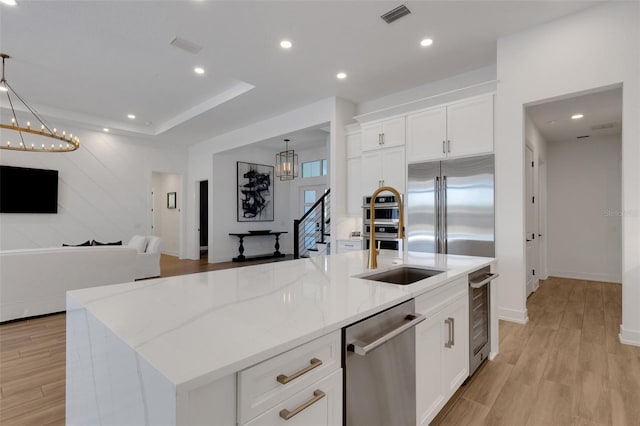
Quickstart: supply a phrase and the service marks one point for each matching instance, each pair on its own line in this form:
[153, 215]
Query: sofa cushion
[138, 242]
[98, 243]
[85, 244]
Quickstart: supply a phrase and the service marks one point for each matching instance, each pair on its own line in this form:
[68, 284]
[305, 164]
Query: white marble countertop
[200, 327]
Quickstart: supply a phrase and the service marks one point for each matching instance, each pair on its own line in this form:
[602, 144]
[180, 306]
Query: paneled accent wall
[104, 192]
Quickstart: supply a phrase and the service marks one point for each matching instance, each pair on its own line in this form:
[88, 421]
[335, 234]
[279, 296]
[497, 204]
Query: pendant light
[287, 163]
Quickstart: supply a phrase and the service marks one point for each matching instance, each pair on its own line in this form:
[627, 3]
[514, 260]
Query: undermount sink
[402, 276]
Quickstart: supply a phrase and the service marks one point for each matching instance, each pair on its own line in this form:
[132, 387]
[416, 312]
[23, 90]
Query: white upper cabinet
[470, 127]
[427, 135]
[384, 167]
[383, 134]
[354, 143]
[456, 130]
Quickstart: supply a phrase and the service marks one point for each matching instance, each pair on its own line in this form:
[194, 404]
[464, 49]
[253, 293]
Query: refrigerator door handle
[445, 236]
[436, 201]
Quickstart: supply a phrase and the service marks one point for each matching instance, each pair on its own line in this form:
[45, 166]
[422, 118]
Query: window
[315, 168]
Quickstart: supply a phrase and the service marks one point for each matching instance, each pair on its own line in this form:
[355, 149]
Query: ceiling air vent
[604, 126]
[582, 137]
[395, 14]
[186, 45]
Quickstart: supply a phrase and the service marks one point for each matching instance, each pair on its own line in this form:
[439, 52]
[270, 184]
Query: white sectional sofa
[35, 281]
[148, 255]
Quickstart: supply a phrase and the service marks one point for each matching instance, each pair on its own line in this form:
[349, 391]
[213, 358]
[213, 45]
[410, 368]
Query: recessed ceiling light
[198, 70]
[286, 44]
[426, 42]
[577, 116]
[9, 2]
[105, 130]
[131, 116]
[341, 75]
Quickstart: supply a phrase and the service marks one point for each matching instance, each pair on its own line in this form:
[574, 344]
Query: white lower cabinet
[319, 404]
[442, 348]
[302, 386]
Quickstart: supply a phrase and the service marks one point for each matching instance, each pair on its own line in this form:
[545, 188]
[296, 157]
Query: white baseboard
[513, 315]
[629, 337]
[170, 253]
[609, 278]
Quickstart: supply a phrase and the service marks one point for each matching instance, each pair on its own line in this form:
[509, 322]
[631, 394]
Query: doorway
[203, 220]
[167, 202]
[579, 140]
[308, 195]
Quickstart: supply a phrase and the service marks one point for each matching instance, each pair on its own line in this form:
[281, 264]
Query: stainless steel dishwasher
[380, 368]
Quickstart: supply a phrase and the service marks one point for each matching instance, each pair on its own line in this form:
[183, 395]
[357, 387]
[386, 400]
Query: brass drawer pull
[317, 396]
[315, 362]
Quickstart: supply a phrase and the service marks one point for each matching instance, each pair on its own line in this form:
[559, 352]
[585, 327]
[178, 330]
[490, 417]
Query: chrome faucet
[373, 251]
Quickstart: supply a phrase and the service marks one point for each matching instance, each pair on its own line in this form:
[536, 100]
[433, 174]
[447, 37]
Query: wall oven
[387, 219]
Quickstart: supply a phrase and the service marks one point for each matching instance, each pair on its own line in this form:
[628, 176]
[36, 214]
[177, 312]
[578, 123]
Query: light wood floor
[565, 367]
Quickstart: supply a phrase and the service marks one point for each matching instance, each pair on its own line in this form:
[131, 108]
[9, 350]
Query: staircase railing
[312, 228]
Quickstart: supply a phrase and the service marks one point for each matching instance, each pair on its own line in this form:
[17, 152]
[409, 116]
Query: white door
[530, 220]
[470, 127]
[308, 197]
[427, 135]
[394, 170]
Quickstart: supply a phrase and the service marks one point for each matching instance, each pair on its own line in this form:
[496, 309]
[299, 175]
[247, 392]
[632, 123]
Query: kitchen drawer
[432, 301]
[321, 404]
[259, 388]
[345, 246]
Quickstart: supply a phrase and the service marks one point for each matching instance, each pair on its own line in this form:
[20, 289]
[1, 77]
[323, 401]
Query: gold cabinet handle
[317, 396]
[313, 363]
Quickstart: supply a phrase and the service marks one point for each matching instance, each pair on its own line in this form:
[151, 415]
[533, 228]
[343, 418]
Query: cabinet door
[393, 132]
[371, 176]
[426, 135]
[354, 191]
[429, 395]
[393, 168]
[371, 136]
[354, 142]
[455, 362]
[325, 408]
[470, 126]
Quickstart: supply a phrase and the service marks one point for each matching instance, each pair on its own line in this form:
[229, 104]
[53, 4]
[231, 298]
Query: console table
[242, 258]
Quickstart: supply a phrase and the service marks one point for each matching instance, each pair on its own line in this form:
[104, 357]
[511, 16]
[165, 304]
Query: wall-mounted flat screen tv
[24, 190]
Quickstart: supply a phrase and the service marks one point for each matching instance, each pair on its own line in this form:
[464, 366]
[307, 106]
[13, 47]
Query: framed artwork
[255, 192]
[171, 200]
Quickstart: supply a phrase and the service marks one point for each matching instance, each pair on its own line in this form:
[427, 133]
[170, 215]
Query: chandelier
[287, 163]
[39, 129]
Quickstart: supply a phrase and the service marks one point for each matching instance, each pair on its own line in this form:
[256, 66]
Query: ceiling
[602, 116]
[94, 62]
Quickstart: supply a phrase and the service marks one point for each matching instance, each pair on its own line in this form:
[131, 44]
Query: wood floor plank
[553, 405]
[513, 405]
[561, 367]
[488, 382]
[466, 412]
[594, 398]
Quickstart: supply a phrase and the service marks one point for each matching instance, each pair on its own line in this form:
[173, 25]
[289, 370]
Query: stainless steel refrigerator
[450, 206]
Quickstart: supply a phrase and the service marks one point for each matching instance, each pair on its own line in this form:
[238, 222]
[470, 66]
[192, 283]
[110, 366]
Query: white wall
[591, 49]
[201, 158]
[584, 209]
[166, 221]
[104, 191]
[223, 215]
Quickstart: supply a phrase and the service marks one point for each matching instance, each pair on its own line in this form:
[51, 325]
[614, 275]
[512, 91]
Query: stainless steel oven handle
[361, 348]
[480, 284]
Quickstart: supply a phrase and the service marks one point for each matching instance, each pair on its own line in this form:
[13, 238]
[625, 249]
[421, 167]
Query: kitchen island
[173, 350]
